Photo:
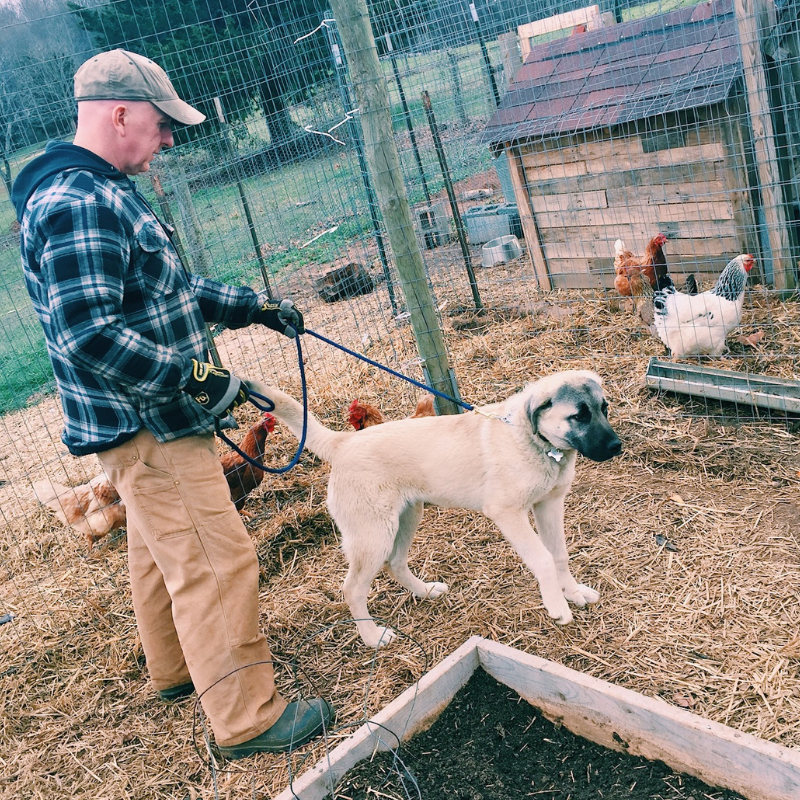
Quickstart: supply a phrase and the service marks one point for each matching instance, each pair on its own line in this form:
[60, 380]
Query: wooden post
[509, 52]
[166, 210]
[751, 18]
[527, 219]
[369, 84]
[736, 177]
[355, 135]
[163, 202]
[192, 228]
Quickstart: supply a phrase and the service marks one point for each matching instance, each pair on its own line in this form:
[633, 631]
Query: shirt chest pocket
[154, 259]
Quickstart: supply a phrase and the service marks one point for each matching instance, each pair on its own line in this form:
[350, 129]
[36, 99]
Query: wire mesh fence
[560, 163]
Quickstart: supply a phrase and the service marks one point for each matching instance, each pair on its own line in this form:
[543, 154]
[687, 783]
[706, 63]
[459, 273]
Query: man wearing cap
[125, 332]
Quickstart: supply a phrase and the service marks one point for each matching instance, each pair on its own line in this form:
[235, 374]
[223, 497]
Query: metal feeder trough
[743, 388]
[497, 251]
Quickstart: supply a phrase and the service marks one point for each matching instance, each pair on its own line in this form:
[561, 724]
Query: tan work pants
[194, 580]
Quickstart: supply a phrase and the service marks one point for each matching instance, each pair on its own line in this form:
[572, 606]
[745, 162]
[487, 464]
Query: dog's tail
[320, 440]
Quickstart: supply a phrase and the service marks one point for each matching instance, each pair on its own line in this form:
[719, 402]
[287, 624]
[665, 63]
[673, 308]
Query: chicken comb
[356, 411]
[269, 422]
[356, 415]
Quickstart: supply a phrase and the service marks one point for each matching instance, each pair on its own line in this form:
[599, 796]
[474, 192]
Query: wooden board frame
[595, 709]
[589, 16]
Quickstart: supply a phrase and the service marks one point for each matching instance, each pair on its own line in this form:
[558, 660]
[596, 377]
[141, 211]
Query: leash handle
[267, 405]
[400, 375]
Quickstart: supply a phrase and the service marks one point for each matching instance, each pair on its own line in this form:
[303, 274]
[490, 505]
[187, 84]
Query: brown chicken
[95, 509]
[242, 476]
[365, 415]
[630, 270]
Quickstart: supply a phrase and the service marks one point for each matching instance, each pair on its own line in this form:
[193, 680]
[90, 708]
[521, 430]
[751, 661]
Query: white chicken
[699, 324]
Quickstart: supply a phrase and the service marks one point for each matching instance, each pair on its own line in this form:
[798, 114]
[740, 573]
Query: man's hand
[215, 389]
[281, 316]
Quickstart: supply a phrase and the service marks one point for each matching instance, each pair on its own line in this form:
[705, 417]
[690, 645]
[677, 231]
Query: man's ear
[119, 118]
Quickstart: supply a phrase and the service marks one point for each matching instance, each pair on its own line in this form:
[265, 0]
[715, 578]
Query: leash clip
[506, 418]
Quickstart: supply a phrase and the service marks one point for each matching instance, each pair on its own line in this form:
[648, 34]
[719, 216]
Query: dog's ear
[539, 399]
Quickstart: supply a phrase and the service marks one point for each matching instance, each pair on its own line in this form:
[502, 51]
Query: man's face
[147, 130]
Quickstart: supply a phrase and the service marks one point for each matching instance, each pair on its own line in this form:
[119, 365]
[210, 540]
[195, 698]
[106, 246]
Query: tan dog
[510, 459]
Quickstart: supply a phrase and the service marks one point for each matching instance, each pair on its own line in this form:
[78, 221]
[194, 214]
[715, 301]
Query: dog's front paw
[589, 595]
[559, 611]
[433, 590]
[379, 637]
[581, 595]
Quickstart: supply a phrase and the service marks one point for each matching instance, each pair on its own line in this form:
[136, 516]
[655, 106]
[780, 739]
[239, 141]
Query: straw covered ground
[692, 537]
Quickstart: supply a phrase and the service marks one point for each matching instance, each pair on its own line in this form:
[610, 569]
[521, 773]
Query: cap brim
[180, 111]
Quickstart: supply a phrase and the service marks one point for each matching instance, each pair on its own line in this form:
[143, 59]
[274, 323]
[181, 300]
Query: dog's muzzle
[603, 449]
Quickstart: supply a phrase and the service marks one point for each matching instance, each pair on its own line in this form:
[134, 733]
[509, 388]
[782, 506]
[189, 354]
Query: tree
[37, 62]
[251, 53]
[242, 52]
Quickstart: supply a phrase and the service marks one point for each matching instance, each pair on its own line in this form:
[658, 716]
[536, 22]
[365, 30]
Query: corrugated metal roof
[671, 62]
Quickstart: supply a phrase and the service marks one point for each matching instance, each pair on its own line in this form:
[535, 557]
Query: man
[125, 331]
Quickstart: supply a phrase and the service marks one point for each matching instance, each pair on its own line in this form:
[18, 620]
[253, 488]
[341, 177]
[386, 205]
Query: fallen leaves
[683, 700]
[751, 339]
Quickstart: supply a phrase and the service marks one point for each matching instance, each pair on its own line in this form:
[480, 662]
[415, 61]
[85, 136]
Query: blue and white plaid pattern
[121, 319]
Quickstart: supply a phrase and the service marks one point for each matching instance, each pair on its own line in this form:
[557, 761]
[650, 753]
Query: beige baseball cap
[122, 75]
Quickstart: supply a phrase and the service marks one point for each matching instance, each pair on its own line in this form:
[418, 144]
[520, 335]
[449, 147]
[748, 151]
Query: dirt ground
[692, 537]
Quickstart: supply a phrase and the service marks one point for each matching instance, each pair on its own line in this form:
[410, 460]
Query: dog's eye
[583, 415]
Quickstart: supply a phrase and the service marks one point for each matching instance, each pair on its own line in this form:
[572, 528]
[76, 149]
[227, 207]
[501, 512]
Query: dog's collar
[553, 452]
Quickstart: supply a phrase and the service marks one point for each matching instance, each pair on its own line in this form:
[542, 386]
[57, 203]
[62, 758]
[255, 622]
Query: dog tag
[556, 455]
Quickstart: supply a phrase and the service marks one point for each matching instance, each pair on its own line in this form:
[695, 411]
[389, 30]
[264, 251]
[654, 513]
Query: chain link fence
[542, 147]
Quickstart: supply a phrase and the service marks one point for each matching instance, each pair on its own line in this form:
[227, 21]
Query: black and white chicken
[699, 324]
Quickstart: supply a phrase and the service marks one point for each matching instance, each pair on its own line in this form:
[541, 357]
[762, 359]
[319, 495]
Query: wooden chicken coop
[632, 130]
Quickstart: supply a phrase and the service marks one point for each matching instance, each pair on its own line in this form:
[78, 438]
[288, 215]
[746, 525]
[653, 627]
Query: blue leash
[400, 375]
[267, 405]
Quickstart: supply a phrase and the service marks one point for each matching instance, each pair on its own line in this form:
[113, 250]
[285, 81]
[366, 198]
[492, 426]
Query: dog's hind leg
[549, 517]
[367, 550]
[516, 527]
[397, 565]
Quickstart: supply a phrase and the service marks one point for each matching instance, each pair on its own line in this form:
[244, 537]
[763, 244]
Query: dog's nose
[612, 447]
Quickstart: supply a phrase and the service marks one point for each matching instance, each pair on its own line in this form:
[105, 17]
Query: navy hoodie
[57, 157]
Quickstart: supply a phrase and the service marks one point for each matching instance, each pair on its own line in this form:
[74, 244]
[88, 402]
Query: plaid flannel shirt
[121, 319]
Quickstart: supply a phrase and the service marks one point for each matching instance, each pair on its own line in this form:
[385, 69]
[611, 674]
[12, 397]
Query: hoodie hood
[57, 157]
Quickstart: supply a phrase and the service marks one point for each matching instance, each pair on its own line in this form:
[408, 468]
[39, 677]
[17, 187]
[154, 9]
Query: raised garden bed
[598, 711]
[489, 744]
